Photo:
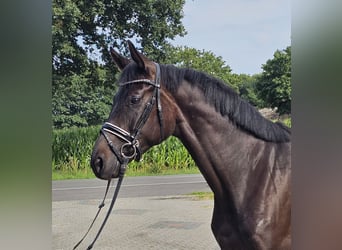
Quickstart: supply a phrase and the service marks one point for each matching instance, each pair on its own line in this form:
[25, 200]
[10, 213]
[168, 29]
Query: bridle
[131, 148]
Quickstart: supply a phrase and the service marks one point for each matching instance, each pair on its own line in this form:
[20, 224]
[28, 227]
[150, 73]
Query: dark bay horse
[244, 157]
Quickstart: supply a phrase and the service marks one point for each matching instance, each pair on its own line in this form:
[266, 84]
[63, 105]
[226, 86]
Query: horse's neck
[248, 176]
[219, 149]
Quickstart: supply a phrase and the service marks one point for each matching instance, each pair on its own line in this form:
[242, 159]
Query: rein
[130, 149]
[118, 185]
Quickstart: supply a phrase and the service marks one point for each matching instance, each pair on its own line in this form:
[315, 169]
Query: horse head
[140, 116]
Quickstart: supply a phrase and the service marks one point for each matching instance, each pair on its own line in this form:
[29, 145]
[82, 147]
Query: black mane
[227, 102]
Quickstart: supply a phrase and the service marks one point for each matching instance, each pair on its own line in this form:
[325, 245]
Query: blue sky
[245, 33]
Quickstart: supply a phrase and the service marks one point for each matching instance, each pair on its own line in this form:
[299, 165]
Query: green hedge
[71, 150]
[72, 147]
[287, 122]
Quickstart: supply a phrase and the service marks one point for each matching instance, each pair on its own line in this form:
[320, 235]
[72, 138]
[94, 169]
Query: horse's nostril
[98, 164]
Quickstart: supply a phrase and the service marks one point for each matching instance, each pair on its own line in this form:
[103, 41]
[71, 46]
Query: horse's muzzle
[105, 168]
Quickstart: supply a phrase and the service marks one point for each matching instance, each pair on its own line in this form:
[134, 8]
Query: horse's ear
[136, 56]
[119, 60]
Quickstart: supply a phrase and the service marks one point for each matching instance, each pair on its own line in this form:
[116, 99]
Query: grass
[88, 173]
[286, 121]
[202, 195]
[164, 171]
[64, 175]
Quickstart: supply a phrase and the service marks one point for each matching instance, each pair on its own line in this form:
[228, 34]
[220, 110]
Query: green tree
[204, 61]
[248, 91]
[208, 62]
[82, 72]
[274, 84]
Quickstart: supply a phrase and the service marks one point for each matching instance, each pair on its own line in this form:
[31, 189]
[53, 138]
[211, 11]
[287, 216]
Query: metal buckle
[128, 147]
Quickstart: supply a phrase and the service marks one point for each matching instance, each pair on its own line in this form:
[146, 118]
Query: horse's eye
[135, 99]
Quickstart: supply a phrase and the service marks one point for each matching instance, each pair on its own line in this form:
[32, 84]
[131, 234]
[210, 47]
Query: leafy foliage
[76, 102]
[82, 73]
[274, 84]
[204, 61]
[247, 89]
[72, 147]
[73, 143]
[208, 62]
[83, 76]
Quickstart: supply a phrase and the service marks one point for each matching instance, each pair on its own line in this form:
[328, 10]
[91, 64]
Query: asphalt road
[150, 213]
[68, 190]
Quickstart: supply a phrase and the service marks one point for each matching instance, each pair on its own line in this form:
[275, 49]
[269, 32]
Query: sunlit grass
[88, 174]
[202, 195]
